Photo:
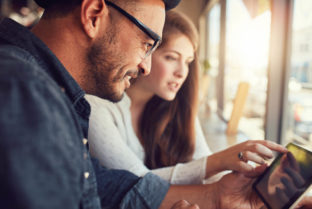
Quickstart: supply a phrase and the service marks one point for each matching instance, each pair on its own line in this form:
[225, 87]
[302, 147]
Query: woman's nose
[182, 70]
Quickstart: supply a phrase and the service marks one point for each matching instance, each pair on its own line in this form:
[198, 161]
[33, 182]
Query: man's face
[119, 54]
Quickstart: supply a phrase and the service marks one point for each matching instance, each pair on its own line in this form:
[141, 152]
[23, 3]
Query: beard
[105, 67]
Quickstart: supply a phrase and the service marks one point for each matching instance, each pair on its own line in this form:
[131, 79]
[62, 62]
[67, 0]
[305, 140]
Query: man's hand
[235, 191]
[305, 203]
[183, 204]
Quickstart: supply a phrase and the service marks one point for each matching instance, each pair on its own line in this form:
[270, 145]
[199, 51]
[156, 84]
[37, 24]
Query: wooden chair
[238, 106]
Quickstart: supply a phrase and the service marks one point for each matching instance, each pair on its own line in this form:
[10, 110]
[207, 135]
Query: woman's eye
[170, 58]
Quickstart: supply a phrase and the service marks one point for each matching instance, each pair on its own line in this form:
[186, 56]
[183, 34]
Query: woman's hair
[167, 128]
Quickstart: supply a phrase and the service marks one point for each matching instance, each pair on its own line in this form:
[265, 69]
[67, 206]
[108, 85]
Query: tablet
[287, 179]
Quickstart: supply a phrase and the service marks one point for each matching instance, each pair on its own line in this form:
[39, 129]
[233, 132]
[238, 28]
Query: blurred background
[264, 44]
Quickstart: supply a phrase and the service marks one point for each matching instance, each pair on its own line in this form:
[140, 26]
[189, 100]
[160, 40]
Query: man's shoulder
[22, 78]
[16, 62]
[19, 67]
[30, 98]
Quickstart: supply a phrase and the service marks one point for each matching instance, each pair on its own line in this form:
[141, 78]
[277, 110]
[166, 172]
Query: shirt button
[86, 175]
[63, 89]
[85, 156]
[85, 141]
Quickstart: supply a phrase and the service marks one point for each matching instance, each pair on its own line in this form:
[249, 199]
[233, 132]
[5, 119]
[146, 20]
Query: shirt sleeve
[201, 147]
[108, 145]
[124, 189]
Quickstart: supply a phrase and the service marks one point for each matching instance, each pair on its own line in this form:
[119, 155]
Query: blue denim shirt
[44, 158]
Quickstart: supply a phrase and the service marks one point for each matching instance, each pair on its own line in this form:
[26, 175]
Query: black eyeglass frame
[139, 24]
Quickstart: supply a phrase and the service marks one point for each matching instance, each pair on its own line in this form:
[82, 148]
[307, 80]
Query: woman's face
[170, 67]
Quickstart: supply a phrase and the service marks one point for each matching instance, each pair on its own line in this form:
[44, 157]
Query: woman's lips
[173, 86]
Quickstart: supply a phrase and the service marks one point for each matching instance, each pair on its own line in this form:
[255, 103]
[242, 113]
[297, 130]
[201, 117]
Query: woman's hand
[252, 150]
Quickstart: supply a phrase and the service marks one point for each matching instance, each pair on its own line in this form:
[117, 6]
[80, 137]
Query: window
[247, 50]
[269, 45]
[211, 61]
[299, 104]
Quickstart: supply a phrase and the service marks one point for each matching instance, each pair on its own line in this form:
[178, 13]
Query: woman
[154, 127]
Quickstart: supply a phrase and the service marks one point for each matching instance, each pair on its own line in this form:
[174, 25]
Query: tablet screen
[286, 179]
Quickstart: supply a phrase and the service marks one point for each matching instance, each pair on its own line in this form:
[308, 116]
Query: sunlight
[250, 41]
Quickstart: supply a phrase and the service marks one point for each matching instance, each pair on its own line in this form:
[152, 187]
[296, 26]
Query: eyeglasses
[139, 24]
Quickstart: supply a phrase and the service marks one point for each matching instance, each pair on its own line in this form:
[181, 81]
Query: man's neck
[62, 38]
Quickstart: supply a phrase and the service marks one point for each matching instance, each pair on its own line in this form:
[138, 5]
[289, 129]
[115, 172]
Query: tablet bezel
[293, 200]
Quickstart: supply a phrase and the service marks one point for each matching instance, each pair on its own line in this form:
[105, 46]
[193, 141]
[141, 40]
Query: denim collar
[18, 35]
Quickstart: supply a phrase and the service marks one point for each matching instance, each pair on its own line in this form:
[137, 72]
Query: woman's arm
[253, 150]
[201, 147]
[107, 140]
[107, 143]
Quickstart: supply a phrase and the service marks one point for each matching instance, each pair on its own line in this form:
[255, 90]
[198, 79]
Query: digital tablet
[287, 179]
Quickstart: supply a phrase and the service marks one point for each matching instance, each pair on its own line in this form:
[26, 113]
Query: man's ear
[92, 13]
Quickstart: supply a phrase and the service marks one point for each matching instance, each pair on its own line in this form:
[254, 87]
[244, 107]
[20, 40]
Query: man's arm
[122, 189]
[38, 158]
[203, 195]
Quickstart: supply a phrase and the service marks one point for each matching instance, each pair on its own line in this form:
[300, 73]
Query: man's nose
[145, 65]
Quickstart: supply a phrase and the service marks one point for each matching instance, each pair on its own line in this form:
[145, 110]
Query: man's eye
[148, 46]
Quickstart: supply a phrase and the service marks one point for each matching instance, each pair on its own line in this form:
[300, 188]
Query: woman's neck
[139, 97]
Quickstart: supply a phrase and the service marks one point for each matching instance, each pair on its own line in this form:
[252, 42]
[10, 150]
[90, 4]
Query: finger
[272, 146]
[194, 206]
[257, 171]
[306, 202]
[275, 146]
[183, 204]
[261, 150]
[296, 177]
[251, 156]
[180, 204]
[244, 167]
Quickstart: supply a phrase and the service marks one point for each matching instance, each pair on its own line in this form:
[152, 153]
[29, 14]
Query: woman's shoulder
[100, 107]
[95, 100]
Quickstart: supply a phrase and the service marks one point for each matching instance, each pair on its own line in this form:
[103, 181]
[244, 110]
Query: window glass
[247, 51]
[211, 62]
[299, 106]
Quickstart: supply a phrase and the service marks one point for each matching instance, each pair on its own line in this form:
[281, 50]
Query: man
[96, 46]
